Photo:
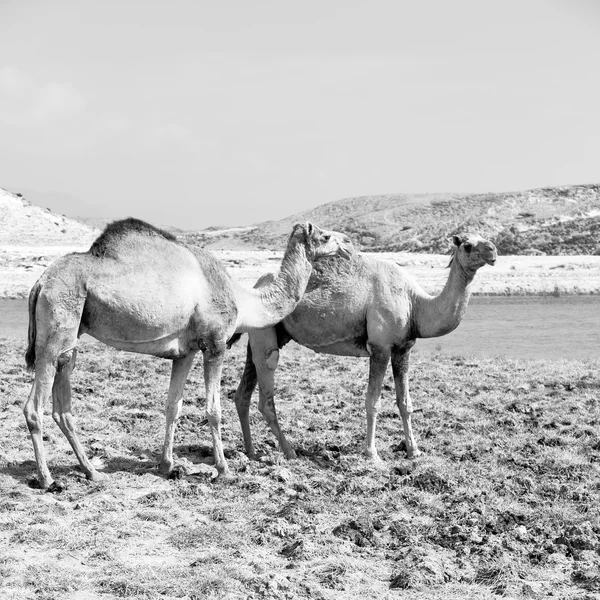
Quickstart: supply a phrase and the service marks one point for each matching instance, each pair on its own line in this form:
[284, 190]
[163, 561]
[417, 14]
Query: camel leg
[213, 366]
[179, 372]
[62, 415]
[265, 355]
[400, 363]
[378, 363]
[34, 416]
[243, 398]
[57, 316]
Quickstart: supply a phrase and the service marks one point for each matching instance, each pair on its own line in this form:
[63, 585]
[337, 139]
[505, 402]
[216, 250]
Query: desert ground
[504, 501]
[20, 266]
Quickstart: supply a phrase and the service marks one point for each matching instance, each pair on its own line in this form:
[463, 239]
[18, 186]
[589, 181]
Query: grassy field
[505, 500]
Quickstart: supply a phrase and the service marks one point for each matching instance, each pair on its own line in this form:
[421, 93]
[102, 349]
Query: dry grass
[505, 500]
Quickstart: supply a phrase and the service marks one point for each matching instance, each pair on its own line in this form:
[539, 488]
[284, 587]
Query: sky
[201, 113]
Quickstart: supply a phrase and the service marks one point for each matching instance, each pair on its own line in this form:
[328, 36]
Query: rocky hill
[553, 221]
[25, 224]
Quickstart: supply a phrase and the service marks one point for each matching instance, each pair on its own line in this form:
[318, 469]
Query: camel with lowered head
[138, 289]
[367, 307]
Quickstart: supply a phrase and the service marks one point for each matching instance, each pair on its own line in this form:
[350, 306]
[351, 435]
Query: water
[13, 318]
[520, 327]
[525, 327]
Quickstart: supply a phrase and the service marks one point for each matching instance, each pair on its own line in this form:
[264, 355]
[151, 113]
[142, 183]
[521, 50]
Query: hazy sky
[234, 112]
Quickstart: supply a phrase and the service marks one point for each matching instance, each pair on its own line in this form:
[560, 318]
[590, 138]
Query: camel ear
[310, 228]
[457, 240]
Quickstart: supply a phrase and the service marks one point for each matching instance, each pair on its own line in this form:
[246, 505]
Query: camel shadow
[23, 472]
[126, 464]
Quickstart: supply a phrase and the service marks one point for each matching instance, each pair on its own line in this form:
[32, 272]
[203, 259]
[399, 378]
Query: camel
[138, 289]
[364, 307]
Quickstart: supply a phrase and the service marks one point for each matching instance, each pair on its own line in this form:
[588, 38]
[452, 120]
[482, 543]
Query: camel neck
[441, 314]
[270, 304]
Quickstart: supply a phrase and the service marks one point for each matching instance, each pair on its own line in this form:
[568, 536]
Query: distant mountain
[25, 224]
[556, 221]
[62, 203]
[561, 220]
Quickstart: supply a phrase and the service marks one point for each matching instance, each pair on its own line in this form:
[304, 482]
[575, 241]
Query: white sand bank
[20, 266]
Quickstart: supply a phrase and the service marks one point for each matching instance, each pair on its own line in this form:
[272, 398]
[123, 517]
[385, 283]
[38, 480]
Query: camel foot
[48, 485]
[166, 467]
[222, 468]
[176, 473]
[289, 453]
[414, 453]
[251, 454]
[96, 477]
[56, 487]
[373, 455]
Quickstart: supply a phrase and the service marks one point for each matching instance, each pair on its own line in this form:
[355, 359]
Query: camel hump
[116, 231]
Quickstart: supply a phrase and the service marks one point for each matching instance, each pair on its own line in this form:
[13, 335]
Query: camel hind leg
[179, 372]
[213, 367]
[264, 353]
[243, 398]
[34, 417]
[62, 415]
[56, 313]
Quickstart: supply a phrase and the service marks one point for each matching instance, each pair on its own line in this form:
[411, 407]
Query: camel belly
[341, 348]
[328, 333]
[172, 346]
[148, 315]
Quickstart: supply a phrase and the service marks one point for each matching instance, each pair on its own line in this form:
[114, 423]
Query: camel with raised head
[140, 290]
[365, 306]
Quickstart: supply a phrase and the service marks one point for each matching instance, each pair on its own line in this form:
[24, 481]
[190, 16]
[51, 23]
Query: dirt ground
[504, 501]
[20, 266]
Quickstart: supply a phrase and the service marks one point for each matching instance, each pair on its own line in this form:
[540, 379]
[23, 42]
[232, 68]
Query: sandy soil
[20, 266]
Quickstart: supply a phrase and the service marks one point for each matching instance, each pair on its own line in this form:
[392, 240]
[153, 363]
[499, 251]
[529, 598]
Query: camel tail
[30, 354]
[233, 339]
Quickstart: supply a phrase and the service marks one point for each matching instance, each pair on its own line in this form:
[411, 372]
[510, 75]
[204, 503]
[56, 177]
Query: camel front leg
[243, 398]
[378, 363]
[213, 366]
[63, 416]
[179, 372]
[400, 364]
[33, 410]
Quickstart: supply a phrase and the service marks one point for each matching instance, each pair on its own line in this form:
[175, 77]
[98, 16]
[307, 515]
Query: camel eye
[326, 237]
[468, 247]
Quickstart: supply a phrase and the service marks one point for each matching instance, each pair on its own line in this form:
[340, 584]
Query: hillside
[25, 224]
[553, 221]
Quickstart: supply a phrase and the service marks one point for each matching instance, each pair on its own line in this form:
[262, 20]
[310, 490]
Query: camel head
[472, 252]
[322, 242]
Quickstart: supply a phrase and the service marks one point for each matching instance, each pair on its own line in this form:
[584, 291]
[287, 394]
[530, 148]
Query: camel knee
[32, 418]
[373, 409]
[173, 411]
[214, 416]
[63, 420]
[66, 360]
[272, 359]
[406, 409]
